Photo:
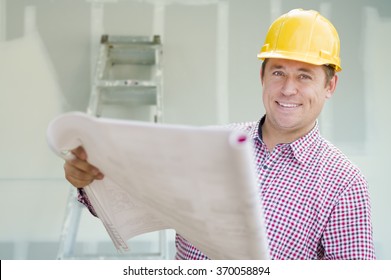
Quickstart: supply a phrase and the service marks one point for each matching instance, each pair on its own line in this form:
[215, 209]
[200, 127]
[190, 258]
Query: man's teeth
[288, 105]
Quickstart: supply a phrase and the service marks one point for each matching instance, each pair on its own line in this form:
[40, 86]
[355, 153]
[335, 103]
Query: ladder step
[120, 39]
[124, 83]
[136, 55]
[132, 49]
[136, 95]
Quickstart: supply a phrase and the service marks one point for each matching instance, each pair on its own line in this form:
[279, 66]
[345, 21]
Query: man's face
[293, 95]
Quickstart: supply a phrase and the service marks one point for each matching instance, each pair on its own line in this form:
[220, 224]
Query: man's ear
[332, 85]
[260, 75]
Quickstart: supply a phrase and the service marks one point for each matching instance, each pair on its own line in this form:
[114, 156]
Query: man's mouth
[288, 105]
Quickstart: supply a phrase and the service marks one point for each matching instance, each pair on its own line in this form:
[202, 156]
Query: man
[315, 201]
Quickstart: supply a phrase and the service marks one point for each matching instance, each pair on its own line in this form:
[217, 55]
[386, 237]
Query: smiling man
[316, 202]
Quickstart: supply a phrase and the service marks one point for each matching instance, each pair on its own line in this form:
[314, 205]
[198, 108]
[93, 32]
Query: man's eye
[305, 77]
[278, 73]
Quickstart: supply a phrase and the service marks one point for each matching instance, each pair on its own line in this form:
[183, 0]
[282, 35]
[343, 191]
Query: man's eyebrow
[276, 66]
[302, 69]
[306, 70]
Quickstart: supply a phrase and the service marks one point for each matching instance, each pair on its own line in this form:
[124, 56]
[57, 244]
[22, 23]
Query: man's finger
[80, 153]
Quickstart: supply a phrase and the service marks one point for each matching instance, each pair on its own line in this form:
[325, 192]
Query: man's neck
[272, 137]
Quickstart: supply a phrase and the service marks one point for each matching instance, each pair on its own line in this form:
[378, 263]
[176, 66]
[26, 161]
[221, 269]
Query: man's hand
[78, 171]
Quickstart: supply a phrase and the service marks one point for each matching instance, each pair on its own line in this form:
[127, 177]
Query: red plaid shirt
[315, 201]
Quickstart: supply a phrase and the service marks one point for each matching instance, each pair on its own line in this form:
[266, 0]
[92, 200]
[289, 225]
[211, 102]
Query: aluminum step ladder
[128, 71]
[129, 74]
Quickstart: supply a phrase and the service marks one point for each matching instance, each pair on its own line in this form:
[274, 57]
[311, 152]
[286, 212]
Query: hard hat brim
[301, 58]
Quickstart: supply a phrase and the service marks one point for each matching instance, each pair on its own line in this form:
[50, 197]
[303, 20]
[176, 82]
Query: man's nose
[289, 87]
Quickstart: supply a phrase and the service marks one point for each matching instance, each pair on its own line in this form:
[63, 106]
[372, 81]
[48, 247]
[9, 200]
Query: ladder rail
[70, 226]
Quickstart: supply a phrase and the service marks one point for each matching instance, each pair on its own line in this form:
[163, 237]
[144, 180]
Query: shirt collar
[299, 147]
[256, 131]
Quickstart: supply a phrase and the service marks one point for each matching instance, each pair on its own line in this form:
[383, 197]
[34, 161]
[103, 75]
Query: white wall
[378, 150]
[33, 194]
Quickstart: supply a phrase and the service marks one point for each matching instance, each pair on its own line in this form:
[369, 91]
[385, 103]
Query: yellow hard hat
[303, 35]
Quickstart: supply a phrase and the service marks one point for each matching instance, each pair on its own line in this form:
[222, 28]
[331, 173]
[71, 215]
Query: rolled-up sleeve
[83, 198]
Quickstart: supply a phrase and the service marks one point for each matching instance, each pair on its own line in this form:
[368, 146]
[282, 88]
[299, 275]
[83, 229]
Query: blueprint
[199, 181]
